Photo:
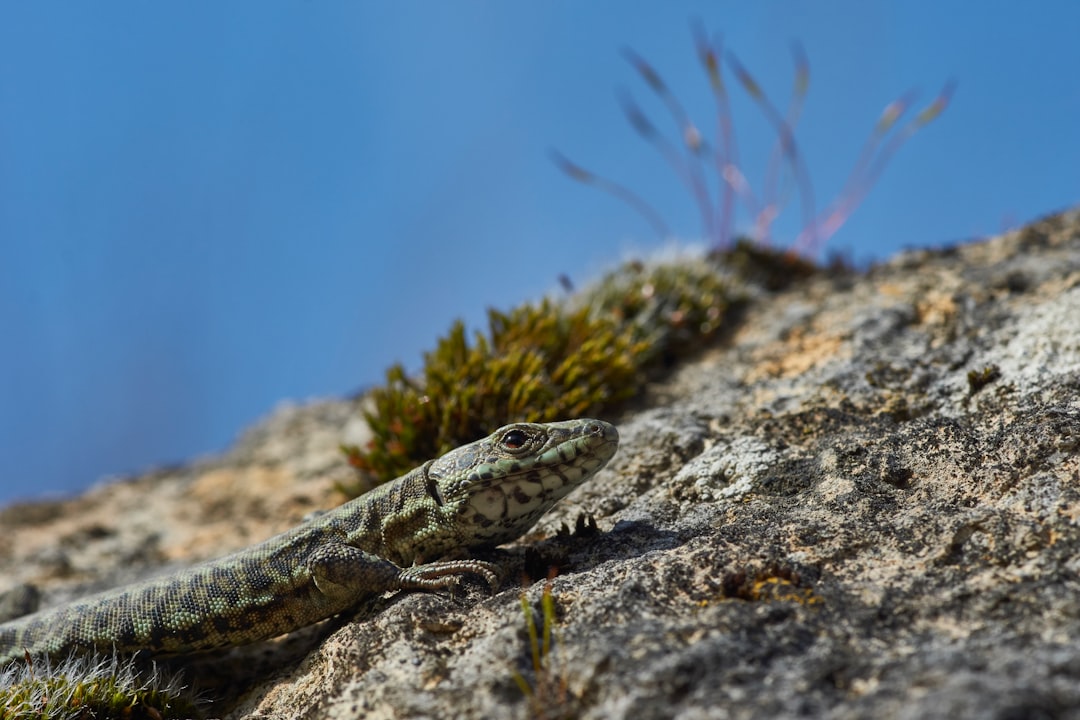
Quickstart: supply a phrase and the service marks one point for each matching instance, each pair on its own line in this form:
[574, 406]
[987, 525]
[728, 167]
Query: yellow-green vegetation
[543, 361]
[548, 694]
[978, 379]
[83, 688]
[771, 584]
[771, 269]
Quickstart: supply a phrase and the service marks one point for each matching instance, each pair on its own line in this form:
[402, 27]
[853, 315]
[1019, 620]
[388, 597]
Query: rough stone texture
[821, 516]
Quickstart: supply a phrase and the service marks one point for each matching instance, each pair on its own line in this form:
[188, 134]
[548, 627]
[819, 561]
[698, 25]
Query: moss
[772, 269]
[542, 362]
[673, 307]
[93, 687]
[535, 363]
[978, 379]
[771, 584]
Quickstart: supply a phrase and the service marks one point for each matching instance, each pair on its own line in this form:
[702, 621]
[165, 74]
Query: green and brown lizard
[480, 495]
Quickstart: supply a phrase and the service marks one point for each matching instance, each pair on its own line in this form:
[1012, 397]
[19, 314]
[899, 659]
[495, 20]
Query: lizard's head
[495, 489]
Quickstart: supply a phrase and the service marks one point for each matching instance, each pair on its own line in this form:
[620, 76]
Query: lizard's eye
[515, 440]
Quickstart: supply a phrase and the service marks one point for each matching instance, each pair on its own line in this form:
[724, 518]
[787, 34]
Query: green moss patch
[545, 361]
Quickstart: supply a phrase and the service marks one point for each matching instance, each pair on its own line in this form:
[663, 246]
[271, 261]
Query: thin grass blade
[580, 174]
[787, 140]
[708, 55]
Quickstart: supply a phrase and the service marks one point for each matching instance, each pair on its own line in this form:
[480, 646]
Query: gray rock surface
[862, 502]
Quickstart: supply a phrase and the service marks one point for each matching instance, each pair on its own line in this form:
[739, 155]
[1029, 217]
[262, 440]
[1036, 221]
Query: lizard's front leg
[346, 574]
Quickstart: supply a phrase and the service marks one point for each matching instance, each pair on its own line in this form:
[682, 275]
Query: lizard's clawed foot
[447, 574]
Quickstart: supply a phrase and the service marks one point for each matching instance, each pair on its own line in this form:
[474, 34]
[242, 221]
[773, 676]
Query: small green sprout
[978, 379]
[548, 694]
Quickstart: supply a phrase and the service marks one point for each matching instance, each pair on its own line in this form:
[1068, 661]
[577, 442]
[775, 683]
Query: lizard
[392, 538]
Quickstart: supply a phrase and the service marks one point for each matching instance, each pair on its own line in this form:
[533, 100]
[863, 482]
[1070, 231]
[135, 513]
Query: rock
[863, 502]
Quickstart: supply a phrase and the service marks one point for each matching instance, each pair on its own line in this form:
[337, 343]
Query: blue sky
[207, 208]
